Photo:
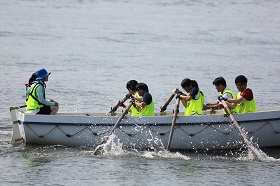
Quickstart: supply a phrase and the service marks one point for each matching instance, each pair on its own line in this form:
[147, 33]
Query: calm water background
[93, 47]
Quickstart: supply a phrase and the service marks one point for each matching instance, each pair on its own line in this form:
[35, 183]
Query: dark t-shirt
[147, 98]
[194, 92]
[247, 94]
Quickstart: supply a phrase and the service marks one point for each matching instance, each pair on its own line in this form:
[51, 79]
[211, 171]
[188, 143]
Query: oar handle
[119, 103]
[164, 107]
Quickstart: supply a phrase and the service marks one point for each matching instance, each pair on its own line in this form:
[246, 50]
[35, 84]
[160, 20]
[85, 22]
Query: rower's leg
[54, 110]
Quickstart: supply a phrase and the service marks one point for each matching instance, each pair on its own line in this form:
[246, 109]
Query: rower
[244, 101]
[145, 106]
[221, 86]
[194, 101]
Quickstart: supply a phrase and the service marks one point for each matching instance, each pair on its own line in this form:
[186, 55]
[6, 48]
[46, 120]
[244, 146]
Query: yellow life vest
[233, 110]
[32, 99]
[246, 106]
[134, 111]
[195, 105]
[148, 110]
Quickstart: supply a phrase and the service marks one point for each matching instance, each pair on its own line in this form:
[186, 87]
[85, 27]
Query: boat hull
[193, 132]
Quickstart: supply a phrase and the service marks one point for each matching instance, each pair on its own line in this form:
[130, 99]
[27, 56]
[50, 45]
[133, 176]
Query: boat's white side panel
[194, 132]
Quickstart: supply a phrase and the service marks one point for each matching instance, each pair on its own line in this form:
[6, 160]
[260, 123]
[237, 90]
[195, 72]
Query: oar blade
[98, 149]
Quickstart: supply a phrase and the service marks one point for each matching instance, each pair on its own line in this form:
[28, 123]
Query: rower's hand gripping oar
[163, 108]
[176, 111]
[249, 144]
[120, 103]
[117, 124]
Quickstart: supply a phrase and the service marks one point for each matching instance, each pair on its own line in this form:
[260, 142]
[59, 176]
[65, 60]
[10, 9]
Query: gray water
[93, 47]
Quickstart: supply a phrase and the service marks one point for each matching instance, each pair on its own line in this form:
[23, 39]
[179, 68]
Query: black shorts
[45, 110]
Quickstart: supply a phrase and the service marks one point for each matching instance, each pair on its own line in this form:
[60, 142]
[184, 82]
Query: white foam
[256, 154]
[113, 147]
[164, 154]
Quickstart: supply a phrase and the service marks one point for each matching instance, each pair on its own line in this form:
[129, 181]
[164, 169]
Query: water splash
[253, 152]
[112, 147]
[164, 154]
[262, 156]
[154, 141]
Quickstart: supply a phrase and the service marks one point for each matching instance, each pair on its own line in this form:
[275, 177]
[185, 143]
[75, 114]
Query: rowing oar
[120, 103]
[113, 129]
[249, 144]
[176, 111]
[163, 108]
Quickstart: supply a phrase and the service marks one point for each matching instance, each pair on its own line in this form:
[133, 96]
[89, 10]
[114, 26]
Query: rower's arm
[40, 95]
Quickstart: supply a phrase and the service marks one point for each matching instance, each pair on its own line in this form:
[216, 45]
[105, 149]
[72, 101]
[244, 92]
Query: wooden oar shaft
[249, 144]
[176, 111]
[113, 129]
[163, 108]
[119, 103]
[120, 119]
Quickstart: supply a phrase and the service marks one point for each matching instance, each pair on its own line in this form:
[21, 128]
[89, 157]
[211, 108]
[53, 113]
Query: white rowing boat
[208, 131]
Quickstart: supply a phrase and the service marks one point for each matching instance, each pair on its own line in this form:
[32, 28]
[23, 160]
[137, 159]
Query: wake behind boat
[207, 131]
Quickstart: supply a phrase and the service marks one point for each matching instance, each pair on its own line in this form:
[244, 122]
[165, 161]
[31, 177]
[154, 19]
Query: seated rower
[131, 87]
[221, 85]
[244, 101]
[36, 101]
[194, 101]
[144, 105]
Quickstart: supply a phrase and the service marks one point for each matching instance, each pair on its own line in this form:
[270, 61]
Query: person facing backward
[244, 101]
[194, 101]
[31, 80]
[36, 101]
[145, 103]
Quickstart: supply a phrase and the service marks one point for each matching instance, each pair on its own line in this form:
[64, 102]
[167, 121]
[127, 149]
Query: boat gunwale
[145, 124]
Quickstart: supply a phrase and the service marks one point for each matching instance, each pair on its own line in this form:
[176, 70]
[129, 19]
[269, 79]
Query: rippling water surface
[94, 47]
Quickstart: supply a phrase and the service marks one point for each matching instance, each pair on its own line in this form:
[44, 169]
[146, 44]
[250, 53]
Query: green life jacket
[246, 106]
[32, 101]
[233, 110]
[195, 106]
[148, 110]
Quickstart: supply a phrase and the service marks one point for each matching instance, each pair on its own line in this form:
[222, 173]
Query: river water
[93, 47]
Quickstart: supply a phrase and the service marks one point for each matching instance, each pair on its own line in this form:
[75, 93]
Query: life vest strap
[30, 94]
